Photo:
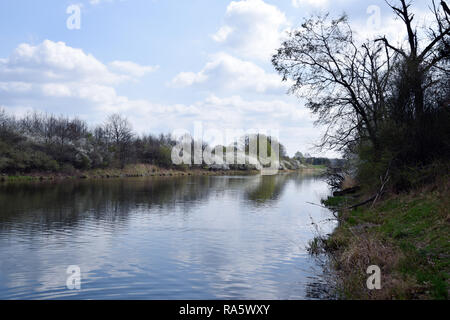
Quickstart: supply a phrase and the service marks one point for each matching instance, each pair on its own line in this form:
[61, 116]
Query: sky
[168, 65]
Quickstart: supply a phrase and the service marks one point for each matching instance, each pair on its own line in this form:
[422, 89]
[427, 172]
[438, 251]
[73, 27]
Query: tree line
[318, 161]
[42, 142]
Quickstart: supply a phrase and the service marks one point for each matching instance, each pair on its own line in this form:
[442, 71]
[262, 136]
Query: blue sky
[164, 64]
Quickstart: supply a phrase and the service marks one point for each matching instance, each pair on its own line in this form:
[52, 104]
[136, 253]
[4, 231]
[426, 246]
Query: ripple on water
[179, 238]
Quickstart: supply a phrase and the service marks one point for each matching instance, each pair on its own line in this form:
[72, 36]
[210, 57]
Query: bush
[82, 161]
[164, 157]
[41, 161]
[68, 169]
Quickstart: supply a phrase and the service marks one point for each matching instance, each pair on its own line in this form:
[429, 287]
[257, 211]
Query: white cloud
[223, 33]
[252, 28]
[95, 2]
[54, 61]
[313, 3]
[186, 79]
[391, 26]
[226, 72]
[325, 4]
[55, 76]
[267, 111]
[131, 68]
[15, 86]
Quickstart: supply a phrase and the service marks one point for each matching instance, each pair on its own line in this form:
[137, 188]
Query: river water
[163, 238]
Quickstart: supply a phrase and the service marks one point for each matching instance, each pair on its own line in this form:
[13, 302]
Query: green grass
[316, 166]
[420, 229]
[19, 178]
[334, 202]
[130, 171]
[416, 227]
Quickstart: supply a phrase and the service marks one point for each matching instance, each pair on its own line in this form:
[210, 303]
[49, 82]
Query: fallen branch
[347, 191]
[363, 203]
[384, 181]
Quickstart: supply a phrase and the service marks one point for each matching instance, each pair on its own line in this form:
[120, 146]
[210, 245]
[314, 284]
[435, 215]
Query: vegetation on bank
[61, 145]
[406, 235]
[130, 171]
[141, 170]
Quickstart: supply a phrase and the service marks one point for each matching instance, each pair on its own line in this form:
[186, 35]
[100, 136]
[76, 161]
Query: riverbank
[130, 171]
[406, 235]
[134, 171]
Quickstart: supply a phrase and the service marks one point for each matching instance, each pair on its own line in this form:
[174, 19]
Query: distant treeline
[321, 161]
[41, 142]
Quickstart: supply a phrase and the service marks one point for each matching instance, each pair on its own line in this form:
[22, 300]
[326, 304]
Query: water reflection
[166, 238]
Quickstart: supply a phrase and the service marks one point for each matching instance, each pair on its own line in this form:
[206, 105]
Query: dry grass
[406, 235]
[348, 183]
[363, 250]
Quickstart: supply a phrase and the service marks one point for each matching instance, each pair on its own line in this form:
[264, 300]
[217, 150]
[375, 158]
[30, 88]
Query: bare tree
[421, 59]
[357, 88]
[120, 135]
[8, 127]
[69, 132]
[344, 83]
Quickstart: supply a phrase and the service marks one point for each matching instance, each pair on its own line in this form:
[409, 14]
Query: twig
[383, 184]
[318, 205]
[329, 208]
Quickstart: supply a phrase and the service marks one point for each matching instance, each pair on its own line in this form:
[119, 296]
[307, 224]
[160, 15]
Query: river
[163, 238]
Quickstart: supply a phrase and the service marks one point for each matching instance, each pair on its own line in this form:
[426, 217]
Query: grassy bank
[138, 170]
[130, 171]
[406, 235]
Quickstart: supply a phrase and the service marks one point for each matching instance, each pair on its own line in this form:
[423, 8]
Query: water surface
[165, 238]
